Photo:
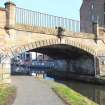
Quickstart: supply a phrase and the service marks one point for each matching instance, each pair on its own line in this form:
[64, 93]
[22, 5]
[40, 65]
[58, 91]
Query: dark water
[93, 92]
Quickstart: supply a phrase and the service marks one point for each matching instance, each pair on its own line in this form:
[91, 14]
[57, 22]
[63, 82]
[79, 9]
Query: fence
[33, 18]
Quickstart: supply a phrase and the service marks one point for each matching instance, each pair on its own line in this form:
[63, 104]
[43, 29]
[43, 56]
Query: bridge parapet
[27, 20]
[53, 31]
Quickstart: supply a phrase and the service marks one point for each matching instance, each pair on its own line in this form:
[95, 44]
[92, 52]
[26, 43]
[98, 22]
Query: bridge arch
[87, 60]
[14, 51]
[41, 43]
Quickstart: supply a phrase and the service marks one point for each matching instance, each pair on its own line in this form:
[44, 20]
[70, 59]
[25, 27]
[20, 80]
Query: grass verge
[69, 96]
[7, 94]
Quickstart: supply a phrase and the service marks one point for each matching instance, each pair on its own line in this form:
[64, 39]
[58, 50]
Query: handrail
[33, 18]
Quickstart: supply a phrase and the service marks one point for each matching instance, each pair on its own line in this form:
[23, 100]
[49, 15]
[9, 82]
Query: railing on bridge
[33, 18]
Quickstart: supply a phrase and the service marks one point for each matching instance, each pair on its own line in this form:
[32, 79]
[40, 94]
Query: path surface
[34, 92]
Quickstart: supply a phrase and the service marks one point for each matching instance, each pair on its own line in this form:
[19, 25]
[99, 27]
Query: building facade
[23, 58]
[91, 12]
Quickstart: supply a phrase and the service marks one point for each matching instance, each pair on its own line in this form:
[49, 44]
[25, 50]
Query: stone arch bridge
[23, 30]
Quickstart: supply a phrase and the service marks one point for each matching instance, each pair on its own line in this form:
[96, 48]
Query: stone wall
[82, 66]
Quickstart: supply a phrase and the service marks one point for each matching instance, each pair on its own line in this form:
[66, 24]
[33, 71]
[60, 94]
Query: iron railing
[33, 18]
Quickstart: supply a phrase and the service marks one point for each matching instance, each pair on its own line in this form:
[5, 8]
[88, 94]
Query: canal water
[91, 91]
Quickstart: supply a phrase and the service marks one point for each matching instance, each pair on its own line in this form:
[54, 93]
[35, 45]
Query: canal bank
[90, 87]
[67, 94]
[93, 92]
[71, 97]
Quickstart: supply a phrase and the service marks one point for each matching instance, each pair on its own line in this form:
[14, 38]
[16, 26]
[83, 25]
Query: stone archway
[5, 66]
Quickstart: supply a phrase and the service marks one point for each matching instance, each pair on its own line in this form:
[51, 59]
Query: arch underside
[77, 60]
[61, 51]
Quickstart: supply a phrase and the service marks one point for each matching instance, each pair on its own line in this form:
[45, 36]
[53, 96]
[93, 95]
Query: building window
[93, 18]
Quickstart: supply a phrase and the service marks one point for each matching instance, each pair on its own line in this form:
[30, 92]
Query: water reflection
[49, 78]
[93, 92]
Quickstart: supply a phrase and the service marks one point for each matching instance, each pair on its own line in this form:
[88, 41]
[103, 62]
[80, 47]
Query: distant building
[28, 57]
[92, 11]
[23, 58]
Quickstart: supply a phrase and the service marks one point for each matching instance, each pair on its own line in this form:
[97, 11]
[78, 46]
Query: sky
[64, 8]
